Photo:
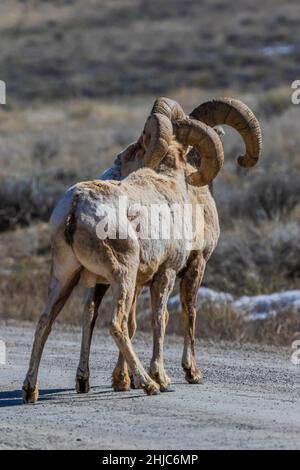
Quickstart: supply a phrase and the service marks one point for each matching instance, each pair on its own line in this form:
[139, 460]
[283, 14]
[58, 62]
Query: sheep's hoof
[82, 385]
[193, 376]
[30, 395]
[121, 381]
[161, 378]
[146, 383]
[151, 388]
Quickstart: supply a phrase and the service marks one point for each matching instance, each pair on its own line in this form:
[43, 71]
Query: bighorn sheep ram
[77, 252]
[214, 113]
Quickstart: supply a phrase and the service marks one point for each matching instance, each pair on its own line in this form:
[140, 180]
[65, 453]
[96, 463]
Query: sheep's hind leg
[90, 314]
[188, 295]
[122, 379]
[160, 290]
[59, 292]
[123, 298]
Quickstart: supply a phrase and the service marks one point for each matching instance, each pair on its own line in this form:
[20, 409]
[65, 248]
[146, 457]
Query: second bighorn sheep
[214, 113]
[127, 264]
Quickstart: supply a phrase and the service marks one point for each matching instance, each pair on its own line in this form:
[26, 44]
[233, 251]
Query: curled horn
[207, 142]
[159, 128]
[169, 108]
[157, 136]
[236, 114]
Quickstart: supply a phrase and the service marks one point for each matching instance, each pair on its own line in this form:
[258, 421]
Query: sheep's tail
[71, 222]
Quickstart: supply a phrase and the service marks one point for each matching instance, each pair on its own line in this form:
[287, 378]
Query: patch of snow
[281, 49]
[255, 308]
[174, 302]
[204, 295]
[209, 295]
[262, 307]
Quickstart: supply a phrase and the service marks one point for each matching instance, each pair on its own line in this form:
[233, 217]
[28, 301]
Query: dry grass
[64, 49]
[224, 323]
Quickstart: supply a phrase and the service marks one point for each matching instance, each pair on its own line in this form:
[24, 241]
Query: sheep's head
[130, 159]
[154, 142]
[227, 111]
[168, 123]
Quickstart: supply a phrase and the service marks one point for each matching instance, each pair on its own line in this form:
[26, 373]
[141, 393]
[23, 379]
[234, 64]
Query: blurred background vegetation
[81, 78]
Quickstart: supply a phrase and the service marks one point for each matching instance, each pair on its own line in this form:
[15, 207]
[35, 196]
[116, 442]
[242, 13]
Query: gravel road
[250, 398]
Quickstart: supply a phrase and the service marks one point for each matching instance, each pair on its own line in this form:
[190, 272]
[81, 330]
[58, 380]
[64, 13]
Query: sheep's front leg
[161, 288]
[90, 314]
[122, 299]
[188, 295]
[121, 380]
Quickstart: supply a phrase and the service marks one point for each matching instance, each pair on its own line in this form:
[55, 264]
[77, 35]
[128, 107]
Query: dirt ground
[249, 398]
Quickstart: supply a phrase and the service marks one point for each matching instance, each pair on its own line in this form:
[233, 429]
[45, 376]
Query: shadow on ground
[14, 397]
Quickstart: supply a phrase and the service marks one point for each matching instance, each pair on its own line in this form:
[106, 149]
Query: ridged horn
[157, 133]
[158, 130]
[169, 108]
[236, 114]
[207, 142]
